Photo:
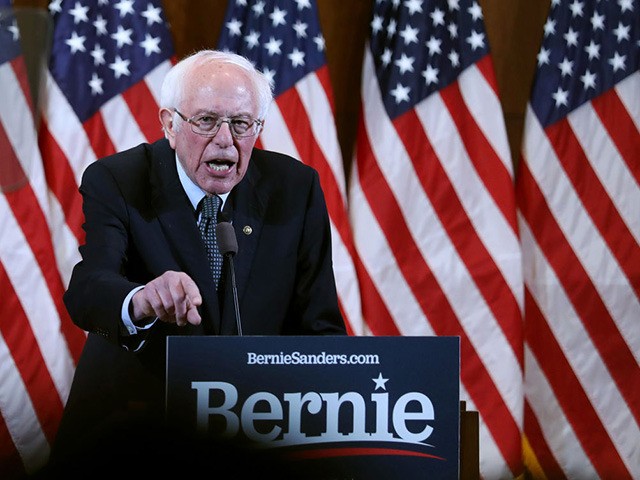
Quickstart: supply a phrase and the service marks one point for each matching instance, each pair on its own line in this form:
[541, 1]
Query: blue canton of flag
[106, 48]
[588, 47]
[423, 47]
[9, 34]
[266, 37]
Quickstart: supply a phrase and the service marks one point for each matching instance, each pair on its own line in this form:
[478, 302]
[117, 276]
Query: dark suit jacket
[139, 223]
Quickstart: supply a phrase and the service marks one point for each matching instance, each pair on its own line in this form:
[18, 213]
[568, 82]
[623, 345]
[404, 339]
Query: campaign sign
[330, 407]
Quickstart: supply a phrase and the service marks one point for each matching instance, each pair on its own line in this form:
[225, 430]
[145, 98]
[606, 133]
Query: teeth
[218, 167]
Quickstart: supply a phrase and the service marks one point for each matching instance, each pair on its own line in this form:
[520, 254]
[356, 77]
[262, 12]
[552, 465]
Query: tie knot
[210, 206]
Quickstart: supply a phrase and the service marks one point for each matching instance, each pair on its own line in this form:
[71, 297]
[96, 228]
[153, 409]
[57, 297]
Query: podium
[325, 407]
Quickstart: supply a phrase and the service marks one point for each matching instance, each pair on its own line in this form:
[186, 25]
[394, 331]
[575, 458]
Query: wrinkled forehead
[214, 85]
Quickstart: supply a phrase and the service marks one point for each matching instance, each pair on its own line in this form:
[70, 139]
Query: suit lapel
[179, 224]
[249, 203]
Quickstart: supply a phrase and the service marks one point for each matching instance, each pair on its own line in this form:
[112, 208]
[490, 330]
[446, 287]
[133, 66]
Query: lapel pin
[247, 230]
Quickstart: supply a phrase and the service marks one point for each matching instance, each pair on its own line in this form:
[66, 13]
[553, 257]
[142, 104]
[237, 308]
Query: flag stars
[376, 24]
[270, 74]
[454, 58]
[76, 42]
[79, 13]
[437, 17]
[385, 58]
[302, 4]
[319, 41]
[409, 35]
[566, 67]
[277, 17]
[152, 15]
[414, 6]
[597, 21]
[14, 31]
[476, 40]
[150, 44]
[626, 5]
[98, 55]
[571, 37]
[122, 36]
[234, 27]
[475, 11]
[617, 62]
[453, 30]
[96, 85]
[258, 9]
[404, 64]
[120, 67]
[576, 8]
[301, 29]
[400, 93]
[561, 97]
[430, 75]
[549, 27]
[543, 56]
[621, 32]
[296, 57]
[100, 24]
[391, 28]
[273, 46]
[593, 50]
[252, 40]
[453, 5]
[433, 45]
[588, 80]
[125, 7]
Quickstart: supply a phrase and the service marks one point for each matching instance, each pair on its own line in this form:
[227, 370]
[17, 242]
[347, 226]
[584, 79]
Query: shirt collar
[193, 191]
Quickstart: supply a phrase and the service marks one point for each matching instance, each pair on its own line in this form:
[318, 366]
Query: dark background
[514, 29]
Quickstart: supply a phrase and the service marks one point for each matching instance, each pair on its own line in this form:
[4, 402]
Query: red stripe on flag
[539, 445]
[10, 460]
[26, 209]
[325, 80]
[621, 129]
[435, 304]
[490, 168]
[61, 180]
[580, 290]
[571, 396]
[595, 199]
[479, 262]
[26, 354]
[297, 121]
[141, 101]
[98, 135]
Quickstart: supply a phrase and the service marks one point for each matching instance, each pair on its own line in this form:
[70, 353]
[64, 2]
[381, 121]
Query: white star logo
[380, 382]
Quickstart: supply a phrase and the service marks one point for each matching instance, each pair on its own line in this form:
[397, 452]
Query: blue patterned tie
[209, 219]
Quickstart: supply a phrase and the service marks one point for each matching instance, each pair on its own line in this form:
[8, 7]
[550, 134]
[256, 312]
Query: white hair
[173, 84]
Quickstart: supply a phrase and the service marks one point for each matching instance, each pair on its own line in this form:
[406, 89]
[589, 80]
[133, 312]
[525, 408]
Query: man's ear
[166, 120]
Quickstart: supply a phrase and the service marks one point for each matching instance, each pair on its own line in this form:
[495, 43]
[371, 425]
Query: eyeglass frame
[214, 131]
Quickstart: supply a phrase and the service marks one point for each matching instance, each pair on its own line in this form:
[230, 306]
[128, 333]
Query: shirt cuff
[126, 317]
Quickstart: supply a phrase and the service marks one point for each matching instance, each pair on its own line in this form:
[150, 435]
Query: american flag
[579, 212]
[36, 354]
[284, 40]
[107, 63]
[101, 95]
[432, 206]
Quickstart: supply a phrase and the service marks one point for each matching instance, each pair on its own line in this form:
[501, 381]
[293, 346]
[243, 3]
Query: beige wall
[514, 28]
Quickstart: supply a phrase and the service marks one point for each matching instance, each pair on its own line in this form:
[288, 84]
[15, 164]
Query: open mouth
[219, 165]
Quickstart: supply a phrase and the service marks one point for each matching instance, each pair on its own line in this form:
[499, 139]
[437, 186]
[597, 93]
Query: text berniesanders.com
[324, 358]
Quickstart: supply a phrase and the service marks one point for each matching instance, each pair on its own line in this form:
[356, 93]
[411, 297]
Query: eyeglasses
[208, 124]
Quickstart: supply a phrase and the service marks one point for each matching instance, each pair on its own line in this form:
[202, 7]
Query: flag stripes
[419, 209]
[579, 204]
[300, 124]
